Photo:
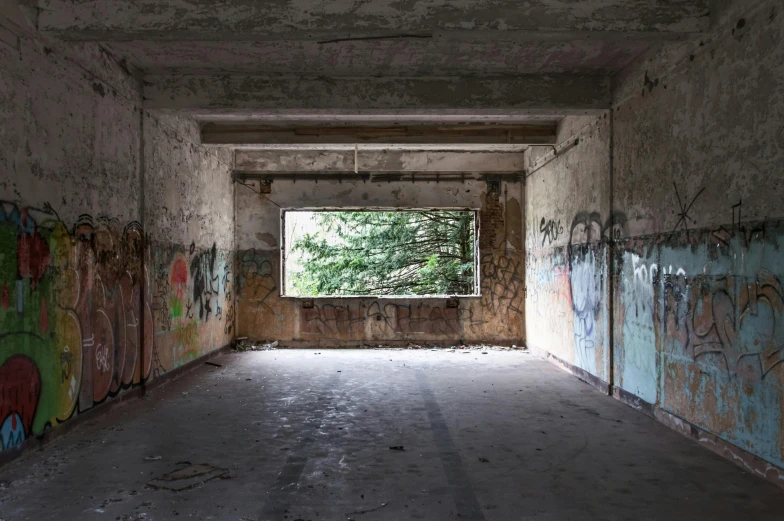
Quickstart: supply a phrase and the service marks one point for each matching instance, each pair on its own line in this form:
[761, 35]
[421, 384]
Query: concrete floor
[306, 435]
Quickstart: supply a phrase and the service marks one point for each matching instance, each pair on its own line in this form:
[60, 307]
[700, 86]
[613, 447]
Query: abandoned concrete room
[380, 260]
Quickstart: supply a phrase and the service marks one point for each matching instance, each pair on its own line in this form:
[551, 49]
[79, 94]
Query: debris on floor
[213, 364]
[397, 447]
[188, 477]
[245, 345]
[368, 511]
[153, 458]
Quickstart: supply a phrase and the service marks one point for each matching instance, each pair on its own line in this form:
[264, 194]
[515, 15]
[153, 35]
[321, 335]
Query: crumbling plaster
[402, 58]
[494, 316]
[101, 287]
[119, 19]
[693, 269]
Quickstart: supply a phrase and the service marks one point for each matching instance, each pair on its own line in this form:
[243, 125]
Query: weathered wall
[189, 215]
[689, 260]
[76, 274]
[698, 151]
[568, 221]
[70, 233]
[496, 316]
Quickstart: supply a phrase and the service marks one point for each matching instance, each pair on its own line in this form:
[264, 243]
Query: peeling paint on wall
[79, 272]
[694, 262]
[495, 316]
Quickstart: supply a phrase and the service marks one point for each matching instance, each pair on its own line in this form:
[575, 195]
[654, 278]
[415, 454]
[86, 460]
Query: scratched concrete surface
[307, 434]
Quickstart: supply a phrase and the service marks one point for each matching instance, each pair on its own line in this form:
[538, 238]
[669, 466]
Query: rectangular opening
[379, 253]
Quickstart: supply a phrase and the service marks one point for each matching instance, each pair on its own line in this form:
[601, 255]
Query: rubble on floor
[242, 344]
[458, 347]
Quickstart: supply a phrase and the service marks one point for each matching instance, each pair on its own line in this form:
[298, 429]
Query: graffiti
[77, 293]
[502, 283]
[683, 212]
[732, 316]
[585, 280]
[587, 268]
[179, 279]
[548, 292]
[407, 319]
[228, 329]
[192, 288]
[227, 284]
[256, 276]
[746, 232]
[736, 223]
[73, 301]
[550, 230]
[102, 358]
[588, 227]
[586, 275]
[20, 388]
[204, 287]
[332, 321]
[386, 319]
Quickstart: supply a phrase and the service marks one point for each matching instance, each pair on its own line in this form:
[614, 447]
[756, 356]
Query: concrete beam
[558, 94]
[335, 22]
[255, 134]
[390, 160]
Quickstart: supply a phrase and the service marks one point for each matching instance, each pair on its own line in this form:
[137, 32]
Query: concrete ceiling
[394, 57]
[250, 59]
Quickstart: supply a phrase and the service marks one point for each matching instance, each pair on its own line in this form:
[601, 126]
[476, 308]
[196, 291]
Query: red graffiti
[32, 256]
[179, 272]
[20, 388]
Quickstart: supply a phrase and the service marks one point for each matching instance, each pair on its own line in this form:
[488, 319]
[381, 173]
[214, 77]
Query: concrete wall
[189, 216]
[496, 316]
[568, 221]
[77, 278]
[695, 264]
[698, 172]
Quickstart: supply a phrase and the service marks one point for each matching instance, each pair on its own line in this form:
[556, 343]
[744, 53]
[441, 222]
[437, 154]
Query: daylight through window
[379, 253]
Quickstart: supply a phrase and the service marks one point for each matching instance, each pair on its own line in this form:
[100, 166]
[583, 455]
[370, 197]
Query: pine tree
[387, 253]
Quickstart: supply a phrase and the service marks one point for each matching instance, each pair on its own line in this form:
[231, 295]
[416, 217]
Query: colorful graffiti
[70, 320]
[191, 289]
[700, 328]
[567, 288]
[76, 314]
[20, 389]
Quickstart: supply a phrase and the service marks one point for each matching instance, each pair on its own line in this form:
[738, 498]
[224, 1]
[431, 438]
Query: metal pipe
[557, 151]
[388, 176]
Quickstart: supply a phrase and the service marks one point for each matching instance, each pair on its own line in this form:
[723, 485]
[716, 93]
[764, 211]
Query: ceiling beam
[347, 22]
[255, 134]
[559, 94]
[390, 160]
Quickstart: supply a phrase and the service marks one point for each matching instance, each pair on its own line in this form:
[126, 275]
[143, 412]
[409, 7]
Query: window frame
[283, 243]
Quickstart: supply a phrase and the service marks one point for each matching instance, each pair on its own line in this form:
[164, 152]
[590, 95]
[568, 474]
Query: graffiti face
[585, 278]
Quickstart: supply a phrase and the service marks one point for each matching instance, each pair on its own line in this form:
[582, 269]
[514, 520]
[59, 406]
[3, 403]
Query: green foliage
[387, 253]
